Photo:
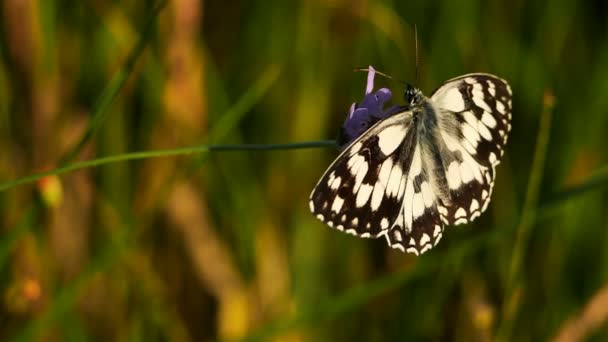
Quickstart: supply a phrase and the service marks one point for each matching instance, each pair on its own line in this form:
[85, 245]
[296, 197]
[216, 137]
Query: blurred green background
[221, 246]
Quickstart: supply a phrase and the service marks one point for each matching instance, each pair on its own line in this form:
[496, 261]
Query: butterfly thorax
[427, 120]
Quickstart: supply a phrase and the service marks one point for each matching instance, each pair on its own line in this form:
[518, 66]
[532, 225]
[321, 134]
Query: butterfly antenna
[416, 49]
[381, 74]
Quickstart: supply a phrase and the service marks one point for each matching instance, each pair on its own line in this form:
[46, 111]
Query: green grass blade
[510, 303]
[234, 115]
[112, 90]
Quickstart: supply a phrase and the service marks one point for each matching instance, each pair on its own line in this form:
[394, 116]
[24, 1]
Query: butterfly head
[412, 95]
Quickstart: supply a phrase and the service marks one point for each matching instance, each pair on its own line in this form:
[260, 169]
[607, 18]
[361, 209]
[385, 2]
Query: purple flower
[365, 114]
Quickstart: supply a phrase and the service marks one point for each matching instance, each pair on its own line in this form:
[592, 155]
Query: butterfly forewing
[364, 187]
[477, 108]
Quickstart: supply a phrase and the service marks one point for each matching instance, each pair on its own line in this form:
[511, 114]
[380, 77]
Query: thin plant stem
[162, 153]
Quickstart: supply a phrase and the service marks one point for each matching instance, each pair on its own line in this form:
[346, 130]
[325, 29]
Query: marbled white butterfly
[407, 170]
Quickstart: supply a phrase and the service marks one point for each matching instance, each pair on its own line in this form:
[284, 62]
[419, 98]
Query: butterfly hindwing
[417, 227]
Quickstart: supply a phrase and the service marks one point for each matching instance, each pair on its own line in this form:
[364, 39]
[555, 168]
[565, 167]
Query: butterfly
[407, 171]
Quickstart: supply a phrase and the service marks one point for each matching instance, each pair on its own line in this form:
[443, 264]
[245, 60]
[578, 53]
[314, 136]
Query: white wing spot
[474, 206]
[390, 138]
[329, 223]
[383, 178]
[425, 239]
[488, 120]
[377, 196]
[321, 217]
[491, 88]
[453, 175]
[311, 205]
[363, 195]
[355, 221]
[394, 181]
[353, 165]
[335, 185]
[343, 218]
[484, 132]
[337, 204]
[384, 223]
[470, 80]
[437, 231]
[500, 107]
[442, 210]
[492, 158]
[331, 177]
[397, 235]
[410, 250]
[470, 118]
[360, 175]
[356, 147]
[397, 246]
[461, 220]
[460, 213]
[484, 194]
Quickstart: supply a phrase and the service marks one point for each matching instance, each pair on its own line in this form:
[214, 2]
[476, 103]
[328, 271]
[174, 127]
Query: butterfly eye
[410, 94]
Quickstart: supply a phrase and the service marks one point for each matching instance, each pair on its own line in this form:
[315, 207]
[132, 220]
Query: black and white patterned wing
[377, 187]
[475, 121]
[418, 226]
